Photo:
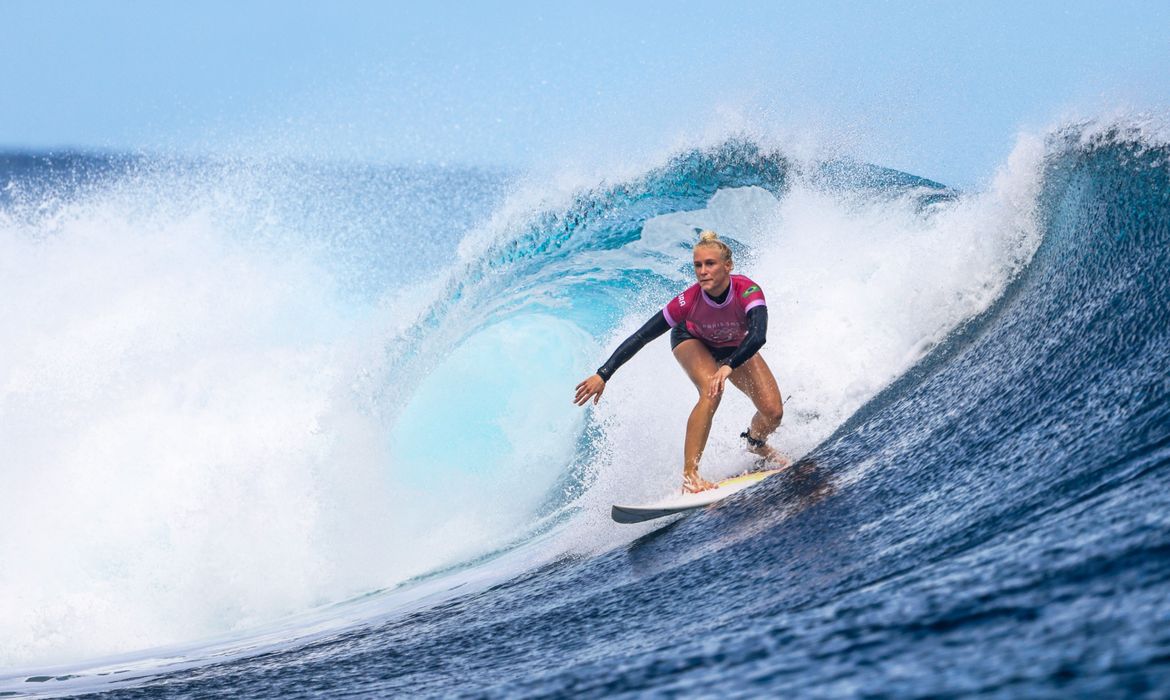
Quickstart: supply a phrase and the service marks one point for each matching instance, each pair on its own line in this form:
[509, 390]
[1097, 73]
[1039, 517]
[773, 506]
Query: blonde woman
[717, 327]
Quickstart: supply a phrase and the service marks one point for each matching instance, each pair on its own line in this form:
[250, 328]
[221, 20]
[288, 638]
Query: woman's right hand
[590, 388]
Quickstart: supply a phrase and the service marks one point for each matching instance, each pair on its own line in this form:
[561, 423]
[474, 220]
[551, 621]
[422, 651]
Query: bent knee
[773, 413]
[708, 403]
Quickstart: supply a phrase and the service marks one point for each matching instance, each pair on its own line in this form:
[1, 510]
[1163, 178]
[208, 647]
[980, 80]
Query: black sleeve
[653, 328]
[757, 331]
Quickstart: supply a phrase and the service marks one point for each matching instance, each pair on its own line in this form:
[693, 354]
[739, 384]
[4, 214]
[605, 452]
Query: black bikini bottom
[679, 333]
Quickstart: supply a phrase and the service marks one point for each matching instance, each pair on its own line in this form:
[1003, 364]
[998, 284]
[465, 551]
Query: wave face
[979, 402]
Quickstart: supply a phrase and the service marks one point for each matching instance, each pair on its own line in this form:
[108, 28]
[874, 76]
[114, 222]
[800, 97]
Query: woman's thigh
[755, 379]
[697, 362]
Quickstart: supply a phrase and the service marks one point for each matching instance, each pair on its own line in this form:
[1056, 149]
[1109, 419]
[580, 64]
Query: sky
[939, 89]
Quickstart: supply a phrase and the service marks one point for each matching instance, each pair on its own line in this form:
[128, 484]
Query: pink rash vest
[718, 325]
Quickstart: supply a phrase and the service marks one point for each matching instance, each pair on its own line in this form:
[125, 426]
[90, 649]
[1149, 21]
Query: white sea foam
[192, 442]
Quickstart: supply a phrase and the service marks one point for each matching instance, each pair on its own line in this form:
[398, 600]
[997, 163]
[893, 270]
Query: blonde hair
[710, 238]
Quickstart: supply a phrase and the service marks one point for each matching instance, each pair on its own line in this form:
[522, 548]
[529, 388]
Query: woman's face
[711, 270]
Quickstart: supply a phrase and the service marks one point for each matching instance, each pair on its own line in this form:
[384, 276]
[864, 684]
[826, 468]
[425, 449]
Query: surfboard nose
[629, 516]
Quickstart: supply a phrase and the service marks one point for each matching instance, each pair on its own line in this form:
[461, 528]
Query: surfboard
[688, 501]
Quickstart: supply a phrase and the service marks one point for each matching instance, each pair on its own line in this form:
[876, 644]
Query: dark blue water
[995, 522]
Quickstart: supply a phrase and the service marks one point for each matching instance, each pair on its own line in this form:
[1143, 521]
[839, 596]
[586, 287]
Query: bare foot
[693, 483]
[771, 457]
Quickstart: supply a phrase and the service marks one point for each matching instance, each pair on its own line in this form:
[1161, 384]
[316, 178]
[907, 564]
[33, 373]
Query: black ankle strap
[747, 435]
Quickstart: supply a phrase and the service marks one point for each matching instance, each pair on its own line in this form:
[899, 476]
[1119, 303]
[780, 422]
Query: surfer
[717, 327]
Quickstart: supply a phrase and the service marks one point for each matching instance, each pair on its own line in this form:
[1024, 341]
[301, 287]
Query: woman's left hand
[717, 380]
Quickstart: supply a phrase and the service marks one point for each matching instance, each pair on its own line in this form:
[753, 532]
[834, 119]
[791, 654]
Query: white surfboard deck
[688, 501]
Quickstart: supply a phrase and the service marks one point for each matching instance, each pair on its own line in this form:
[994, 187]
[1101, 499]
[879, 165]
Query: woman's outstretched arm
[593, 386]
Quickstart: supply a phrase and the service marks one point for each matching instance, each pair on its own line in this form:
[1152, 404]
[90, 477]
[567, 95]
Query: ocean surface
[279, 429]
